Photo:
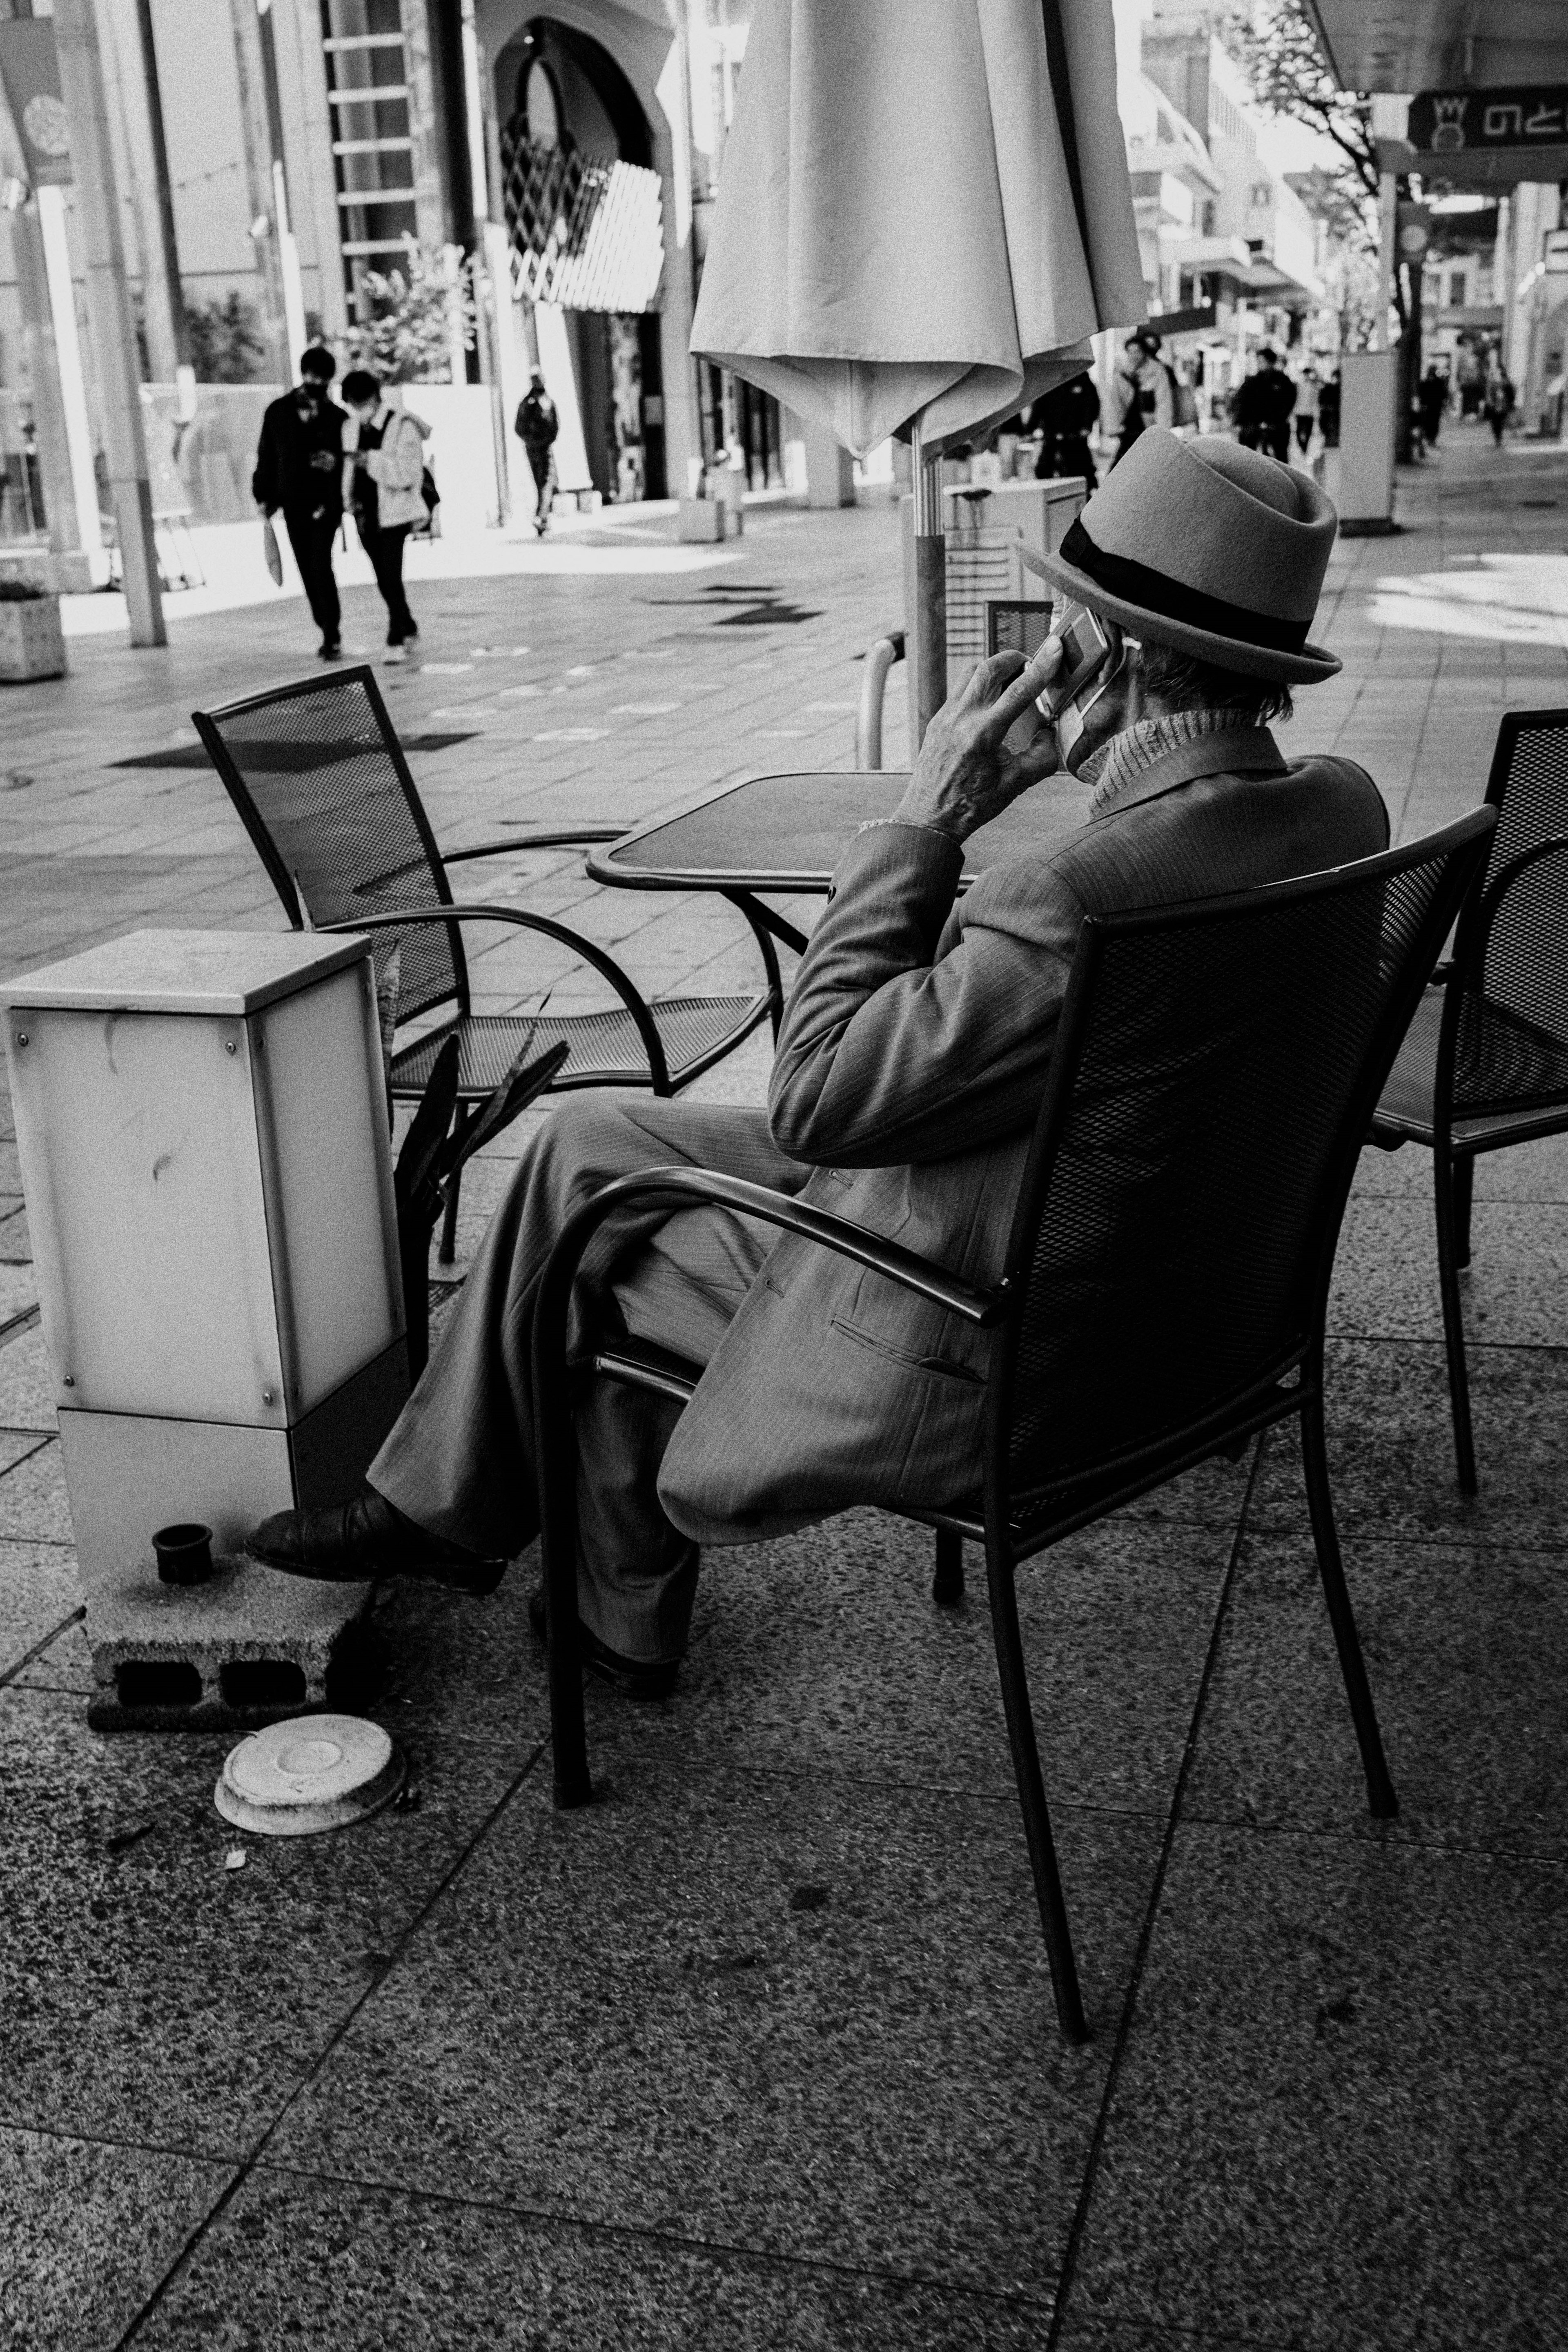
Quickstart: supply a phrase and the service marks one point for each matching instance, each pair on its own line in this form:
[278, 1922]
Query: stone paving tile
[1464, 1646]
[131, 2209]
[26, 1384]
[33, 1505]
[825, 1653]
[193, 1998]
[1391, 1449]
[414, 2273]
[1515, 1291]
[38, 1590]
[840, 1987]
[1338, 2118]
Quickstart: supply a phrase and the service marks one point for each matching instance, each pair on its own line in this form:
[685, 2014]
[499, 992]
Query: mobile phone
[1086, 649]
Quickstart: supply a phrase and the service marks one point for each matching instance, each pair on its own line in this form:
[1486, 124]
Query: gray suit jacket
[909, 1071]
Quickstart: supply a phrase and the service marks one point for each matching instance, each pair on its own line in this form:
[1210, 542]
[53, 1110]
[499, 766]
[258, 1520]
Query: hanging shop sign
[32, 77]
[1481, 137]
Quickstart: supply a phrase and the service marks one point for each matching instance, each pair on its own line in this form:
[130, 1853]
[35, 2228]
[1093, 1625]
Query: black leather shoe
[633, 1677]
[349, 1543]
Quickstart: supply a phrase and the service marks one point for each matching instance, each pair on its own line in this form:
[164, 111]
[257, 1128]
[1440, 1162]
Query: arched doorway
[582, 203]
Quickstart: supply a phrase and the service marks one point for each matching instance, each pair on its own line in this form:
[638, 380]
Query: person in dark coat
[1433, 401]
[536, 425]
[299, 469]
[1263, 406]
[1066, 418]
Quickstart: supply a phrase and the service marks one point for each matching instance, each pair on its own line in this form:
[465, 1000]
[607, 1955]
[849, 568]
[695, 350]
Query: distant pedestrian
[1306, 408]
[1263, 405]
[1433, 397]
[1499, 399]
[299, 469]
[385, 460]
[1064, 419]
[1328, 411]
[536, 425]
[1144, 390]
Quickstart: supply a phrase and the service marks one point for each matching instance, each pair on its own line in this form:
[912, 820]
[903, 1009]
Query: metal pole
[108, 310]
[488, 294]
[931, 587]
[163, 191]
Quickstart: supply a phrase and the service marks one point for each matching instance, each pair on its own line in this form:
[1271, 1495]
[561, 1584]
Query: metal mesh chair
[1485, 1061]
[322, 787]
[1167, 1276]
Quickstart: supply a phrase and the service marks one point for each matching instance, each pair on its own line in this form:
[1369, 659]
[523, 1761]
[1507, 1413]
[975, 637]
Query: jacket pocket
[950, 1367]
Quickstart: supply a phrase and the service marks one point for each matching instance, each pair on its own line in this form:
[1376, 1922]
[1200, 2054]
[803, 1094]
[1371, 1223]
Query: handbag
[429, 528]
[271, 550]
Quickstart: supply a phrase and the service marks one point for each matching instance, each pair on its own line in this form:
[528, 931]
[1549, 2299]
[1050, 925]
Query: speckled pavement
[758, 2051]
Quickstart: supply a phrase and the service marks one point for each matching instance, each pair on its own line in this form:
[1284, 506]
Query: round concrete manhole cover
[314, 1772]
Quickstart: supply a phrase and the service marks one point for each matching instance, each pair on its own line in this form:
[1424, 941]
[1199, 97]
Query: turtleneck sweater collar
[1139, 747]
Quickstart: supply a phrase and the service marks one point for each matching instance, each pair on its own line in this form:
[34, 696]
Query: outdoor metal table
[784, 835]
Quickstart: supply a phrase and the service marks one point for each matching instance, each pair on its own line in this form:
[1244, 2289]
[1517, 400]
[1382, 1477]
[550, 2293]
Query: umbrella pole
[931, 587]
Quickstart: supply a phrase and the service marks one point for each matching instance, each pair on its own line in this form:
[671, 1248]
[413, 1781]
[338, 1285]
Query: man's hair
[318, 362]
[360, 385]
[1185, 683]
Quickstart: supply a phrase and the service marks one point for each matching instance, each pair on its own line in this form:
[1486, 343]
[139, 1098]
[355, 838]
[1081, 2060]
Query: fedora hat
[1209, 548]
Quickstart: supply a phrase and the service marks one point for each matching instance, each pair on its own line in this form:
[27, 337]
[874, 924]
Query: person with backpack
[536, 425]
[384, 454]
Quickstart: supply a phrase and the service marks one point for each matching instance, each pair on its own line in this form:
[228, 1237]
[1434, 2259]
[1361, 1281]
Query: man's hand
[965, 773]
[324, 461]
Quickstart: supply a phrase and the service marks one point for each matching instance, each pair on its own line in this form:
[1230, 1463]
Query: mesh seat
[1486, 1062]
[605, 1049]
[1167, 1274]
[320, 784]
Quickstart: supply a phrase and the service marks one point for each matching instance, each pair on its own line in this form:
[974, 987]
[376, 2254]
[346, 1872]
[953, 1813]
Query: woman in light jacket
[384, 456]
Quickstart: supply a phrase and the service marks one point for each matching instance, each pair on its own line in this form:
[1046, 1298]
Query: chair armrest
[983, 1308]
[605, 965]
[546, 837]
[1468, 974]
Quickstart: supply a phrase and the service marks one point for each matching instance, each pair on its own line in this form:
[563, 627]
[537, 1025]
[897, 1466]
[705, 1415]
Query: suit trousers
[384, 549]
[460, 1460]
[311, 537]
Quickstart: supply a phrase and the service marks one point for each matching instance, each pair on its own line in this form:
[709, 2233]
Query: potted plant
[31, 642]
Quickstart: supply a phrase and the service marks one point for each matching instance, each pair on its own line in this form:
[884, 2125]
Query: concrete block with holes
[201, 1118]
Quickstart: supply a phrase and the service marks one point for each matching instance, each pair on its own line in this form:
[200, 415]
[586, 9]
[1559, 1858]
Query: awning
[1410, 45]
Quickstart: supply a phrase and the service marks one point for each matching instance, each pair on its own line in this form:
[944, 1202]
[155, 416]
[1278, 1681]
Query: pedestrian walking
[1433, 397]
[1306, 413]
[1064, 418]
[384, 453]
[536, 425]
[1499, 399]
[1264, 401]
[1144, 390]
[299, 472]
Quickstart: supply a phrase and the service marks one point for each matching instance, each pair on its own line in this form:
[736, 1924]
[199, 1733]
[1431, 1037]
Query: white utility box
[201, 1119]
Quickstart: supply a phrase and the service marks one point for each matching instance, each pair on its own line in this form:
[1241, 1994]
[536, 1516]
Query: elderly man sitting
[909, 1071]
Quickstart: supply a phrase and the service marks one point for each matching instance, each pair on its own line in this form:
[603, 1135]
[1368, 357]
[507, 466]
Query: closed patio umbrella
[923, 214]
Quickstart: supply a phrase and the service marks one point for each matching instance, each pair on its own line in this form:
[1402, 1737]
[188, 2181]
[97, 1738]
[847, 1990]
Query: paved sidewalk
[758, 2051]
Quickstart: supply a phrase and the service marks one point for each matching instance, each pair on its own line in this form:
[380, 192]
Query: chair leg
[1443, 1172]
[449, 1222]
[1464, 1175]
[1032, 1795]
[947, 1584]
[1380, 1792]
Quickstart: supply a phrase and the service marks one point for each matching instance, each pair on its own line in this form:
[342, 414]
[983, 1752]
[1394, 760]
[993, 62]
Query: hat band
[1134, 584]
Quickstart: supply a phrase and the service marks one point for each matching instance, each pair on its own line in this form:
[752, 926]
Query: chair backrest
[1519, 1054]
[319, 778]
[1215, 1069]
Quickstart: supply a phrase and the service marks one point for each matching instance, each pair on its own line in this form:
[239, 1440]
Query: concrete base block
[70, 575]
[248, 1647]
[701, 519]
[31, 642]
